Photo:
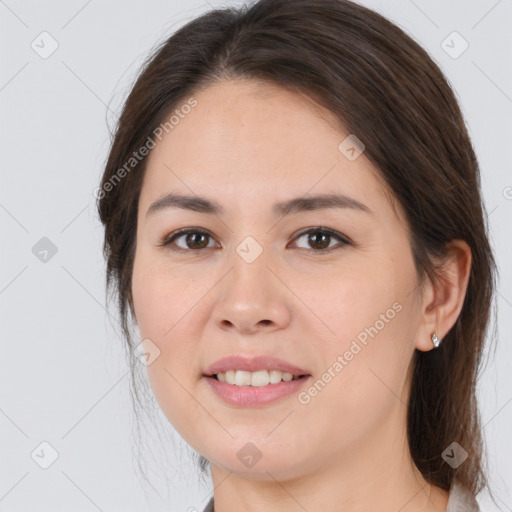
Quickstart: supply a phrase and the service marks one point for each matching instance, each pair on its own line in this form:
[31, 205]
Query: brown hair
[385, 89]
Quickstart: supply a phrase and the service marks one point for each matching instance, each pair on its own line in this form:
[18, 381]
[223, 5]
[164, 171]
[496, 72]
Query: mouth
[259, 378]
[254, 380]
[260, 391]
[242, 370]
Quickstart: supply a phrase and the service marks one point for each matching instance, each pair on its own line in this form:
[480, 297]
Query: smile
[258, 378]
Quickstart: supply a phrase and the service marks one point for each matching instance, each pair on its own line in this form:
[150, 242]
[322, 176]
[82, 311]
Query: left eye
[197, 239]
[321, 237]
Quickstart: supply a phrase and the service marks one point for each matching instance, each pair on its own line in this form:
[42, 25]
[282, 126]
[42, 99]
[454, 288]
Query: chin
[255, 464]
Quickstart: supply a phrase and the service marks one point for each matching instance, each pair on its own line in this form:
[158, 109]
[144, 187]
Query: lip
[253, 364]
[253, 396]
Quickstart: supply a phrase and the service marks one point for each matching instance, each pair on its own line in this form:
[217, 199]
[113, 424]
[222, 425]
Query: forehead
[253, 140]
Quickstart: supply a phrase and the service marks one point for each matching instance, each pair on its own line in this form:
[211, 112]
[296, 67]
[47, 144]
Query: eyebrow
[299, 204]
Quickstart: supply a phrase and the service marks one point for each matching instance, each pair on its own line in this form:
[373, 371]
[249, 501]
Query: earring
[436, 340]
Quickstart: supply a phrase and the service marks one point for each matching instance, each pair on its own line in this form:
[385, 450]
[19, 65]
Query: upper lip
[253, 364]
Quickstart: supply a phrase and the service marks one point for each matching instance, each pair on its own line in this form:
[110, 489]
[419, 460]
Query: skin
[248, 144]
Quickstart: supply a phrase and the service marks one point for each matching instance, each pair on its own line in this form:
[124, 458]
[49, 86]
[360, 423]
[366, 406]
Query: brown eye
[196, 240]
[192, 240]
[320, 238]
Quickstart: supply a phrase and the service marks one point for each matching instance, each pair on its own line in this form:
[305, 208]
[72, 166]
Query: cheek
[160, 297]
[363, 379]
[348, 300]
[161, 305]
[368, 324]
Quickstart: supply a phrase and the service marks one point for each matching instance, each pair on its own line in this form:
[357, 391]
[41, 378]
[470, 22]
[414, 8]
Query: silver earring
[436, 340]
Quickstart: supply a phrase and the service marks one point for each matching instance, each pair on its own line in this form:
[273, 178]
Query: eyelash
[169, 239]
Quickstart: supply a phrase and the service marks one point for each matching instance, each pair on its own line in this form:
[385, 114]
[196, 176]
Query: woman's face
[256, 285]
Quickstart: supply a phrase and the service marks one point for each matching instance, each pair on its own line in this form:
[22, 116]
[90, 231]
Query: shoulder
[209, 507]
[461, 500]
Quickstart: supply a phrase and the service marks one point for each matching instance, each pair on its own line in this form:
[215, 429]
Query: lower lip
[251, 396]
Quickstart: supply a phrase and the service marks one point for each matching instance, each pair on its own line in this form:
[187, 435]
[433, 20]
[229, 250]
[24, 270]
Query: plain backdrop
[64, 396]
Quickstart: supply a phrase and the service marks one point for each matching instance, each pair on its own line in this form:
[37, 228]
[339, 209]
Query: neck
[375, 477]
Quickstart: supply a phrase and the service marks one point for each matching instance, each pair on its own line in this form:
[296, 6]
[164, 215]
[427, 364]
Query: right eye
[191, 236]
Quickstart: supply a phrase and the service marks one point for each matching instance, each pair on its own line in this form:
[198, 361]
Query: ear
[443, 299]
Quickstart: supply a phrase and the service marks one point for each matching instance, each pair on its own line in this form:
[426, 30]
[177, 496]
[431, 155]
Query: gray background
[64, 374]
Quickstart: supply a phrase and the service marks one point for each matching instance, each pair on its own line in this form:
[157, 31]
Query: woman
[293, 220]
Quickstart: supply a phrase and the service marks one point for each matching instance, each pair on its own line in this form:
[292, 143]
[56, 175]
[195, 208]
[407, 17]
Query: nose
[252, 298]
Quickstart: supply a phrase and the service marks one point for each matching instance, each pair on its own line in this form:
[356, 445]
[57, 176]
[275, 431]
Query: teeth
[259, 378]
[275, 376]
[242, 378]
